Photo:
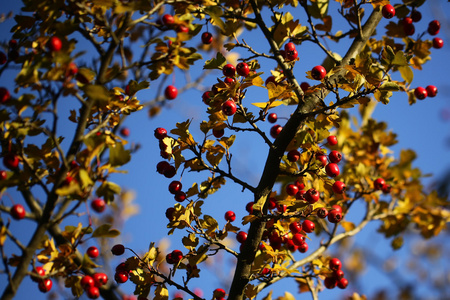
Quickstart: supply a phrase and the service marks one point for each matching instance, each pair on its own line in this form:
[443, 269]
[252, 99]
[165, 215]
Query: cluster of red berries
[44, 284]
[336, 278]
[175, 189]
[381, 185]
[174, 257]
[168, 21]
[164, 167]
[422, 93]
[91, 284]
[290, 52]
[122, 273]
[219, 294]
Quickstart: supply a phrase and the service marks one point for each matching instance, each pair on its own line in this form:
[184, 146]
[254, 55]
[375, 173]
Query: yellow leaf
[267, 105]
[251, 291]
[347, 225]
[161, 293]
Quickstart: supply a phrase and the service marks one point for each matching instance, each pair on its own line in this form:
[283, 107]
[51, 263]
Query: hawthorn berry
[98, 205]
[167, 19]
[45, 285]
[434, 27]
[243, 69]
[291, 189]
[338, 187]
[275, 131]
[308, 226]
[162, 166]
[303, 247]
[241, 236]
[342, 283]
[407, 21]
[229, 108]
[93, 292]
[229, 70]
[54, 44]
[416, 16]
[118, 249]
[386, 189]
[229, 80]
[230, 216]
[291, 55]
[3, 58]
[335, 156]
[272, 117]
[160, 133]
[379, 183]
[295, 227]
[37, 273]
[300, 184]
[318, 72]
[272, 203]
[207, 38]
[121, 277]
[293, 155]
[170, 171]
[334, 216]
[218, 133]
[86, 282]
[322, 212]
[182, 29]
[125, 132]
[409, 29]
[180, 196]
[298, 239]
[438, 43]
[304, 86]
[300, 195]
[206, 97]
[291, 246]
[3, 175]
[335, 264]
[100, 279]
[312, 196]
[281, 208]
[330, 282]
[431, 91]
[338, 274]
[177, 255]
[289, 47]
[249, 207]
[337, 207]
[270, 79]
[322, 159]
[388, 11]
[92, 252]
[175, 186]
[17, 212]
[171, 92]
[332, 169]
[219, 293]
[11, 161]
[332, 140]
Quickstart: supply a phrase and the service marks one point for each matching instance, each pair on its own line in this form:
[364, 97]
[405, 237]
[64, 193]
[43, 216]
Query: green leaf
[215, 12]
[85, 179]
[161, 293]
[400, 59]
[118, 156]
[216, 63]
[108, 190]
[389, 86]
[98, 93]
[105, 231]
[407, 73]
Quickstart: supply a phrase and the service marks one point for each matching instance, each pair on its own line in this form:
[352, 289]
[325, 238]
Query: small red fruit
[272, 203]
[241, 236]
[249, 207]
[182, 29]
[275, 131]
[92, 252]
[100, 279]
[431, 91]
[330, 282]
[388, 11]
[438, 43]
[289, 47]
[342, 283]
[229, 80]
[298, 239]
[312, 196]
[121, 277]
[270, 79]
[125, 132]
[229, 108]
[171, 92]
[93, 292]
[334, 216]
[291, 55]
[304, 86]
[11, 161]
[335, 156]
[291, 189]
[175, 186]
[293, 155]
[207, 38]
[332, 170]
[206, 97]
[18, 212]
[338, 187]
[167, 19]
[3, 58]
[219, 293]
[86, 282]
[118, 249]
[332, 140]
[407, 21]
[98, 205]
[337, 208]
[45, 285]
[308, 226]
[318, 72]
[180, 196]
[230, 216]
[322, 159]
[160, 133]
[290, 244]
[303, 247]
[272, 117]
[416, 16]
[409, 29]
[170, 171]
[322, 213]
[38, 271]
[72, 69]
[54, 44]
[338, 274]
[229, 70]
[162, 166]
[218, 133]
[243, 69]
[434, 27]
[386, 189]
[169, 213]
[379, 183]
[335, 264]
[295, 227]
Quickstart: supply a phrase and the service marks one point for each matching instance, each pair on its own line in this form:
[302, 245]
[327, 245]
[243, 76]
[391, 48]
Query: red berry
[121, 277]
[167, 19]
[229, 80]
[241, 236]
[275, 131]
[334, 216]
[291, 55]
[270, 79]
[36, 273]
[312, 196]
[98, 205]
[229, 70]
[304, 86]
[93, 292]
[180, 196]
[291, 189]
[330, 282]
[3, 58]
[303, 247]
[338, 187]
[300, 184]
[332, 170]
[337, 208]
[207, 38]
[342, 283]
[386, 189]
[293, 155]
[11, 161]
[416, 16]
[13, 44]
[162, 166]
[431, 91]
[118, 249]
[175, 187]
[291, 246]
[379, 183]
[322, 159]
[318, 72]
[298, 239]
[230, 216]
[322, 213]
[86, 282]
[289, 47]
[388, 11]
[243, 69]
[335, 264]
[438, 43]
[54, 44]
[206, 97]
[281, 208]
[177, 255]
[125, 132]
[122, 267]
[249, 207]
[335, 156]
[409, 29]
[229, 108]
[219, 293]
[434, 27]
[338, 274]
[308, 226]
[218, 133]
[272, 117]
[169, 213]
[332, 140]
[100, 279]
[18, 212]
[160, 133]
[170, 171]
[45, 285]
[92, 252]
[295, 227]
[183, 29]
[171, 92]
[272, 203]
[407, 21]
